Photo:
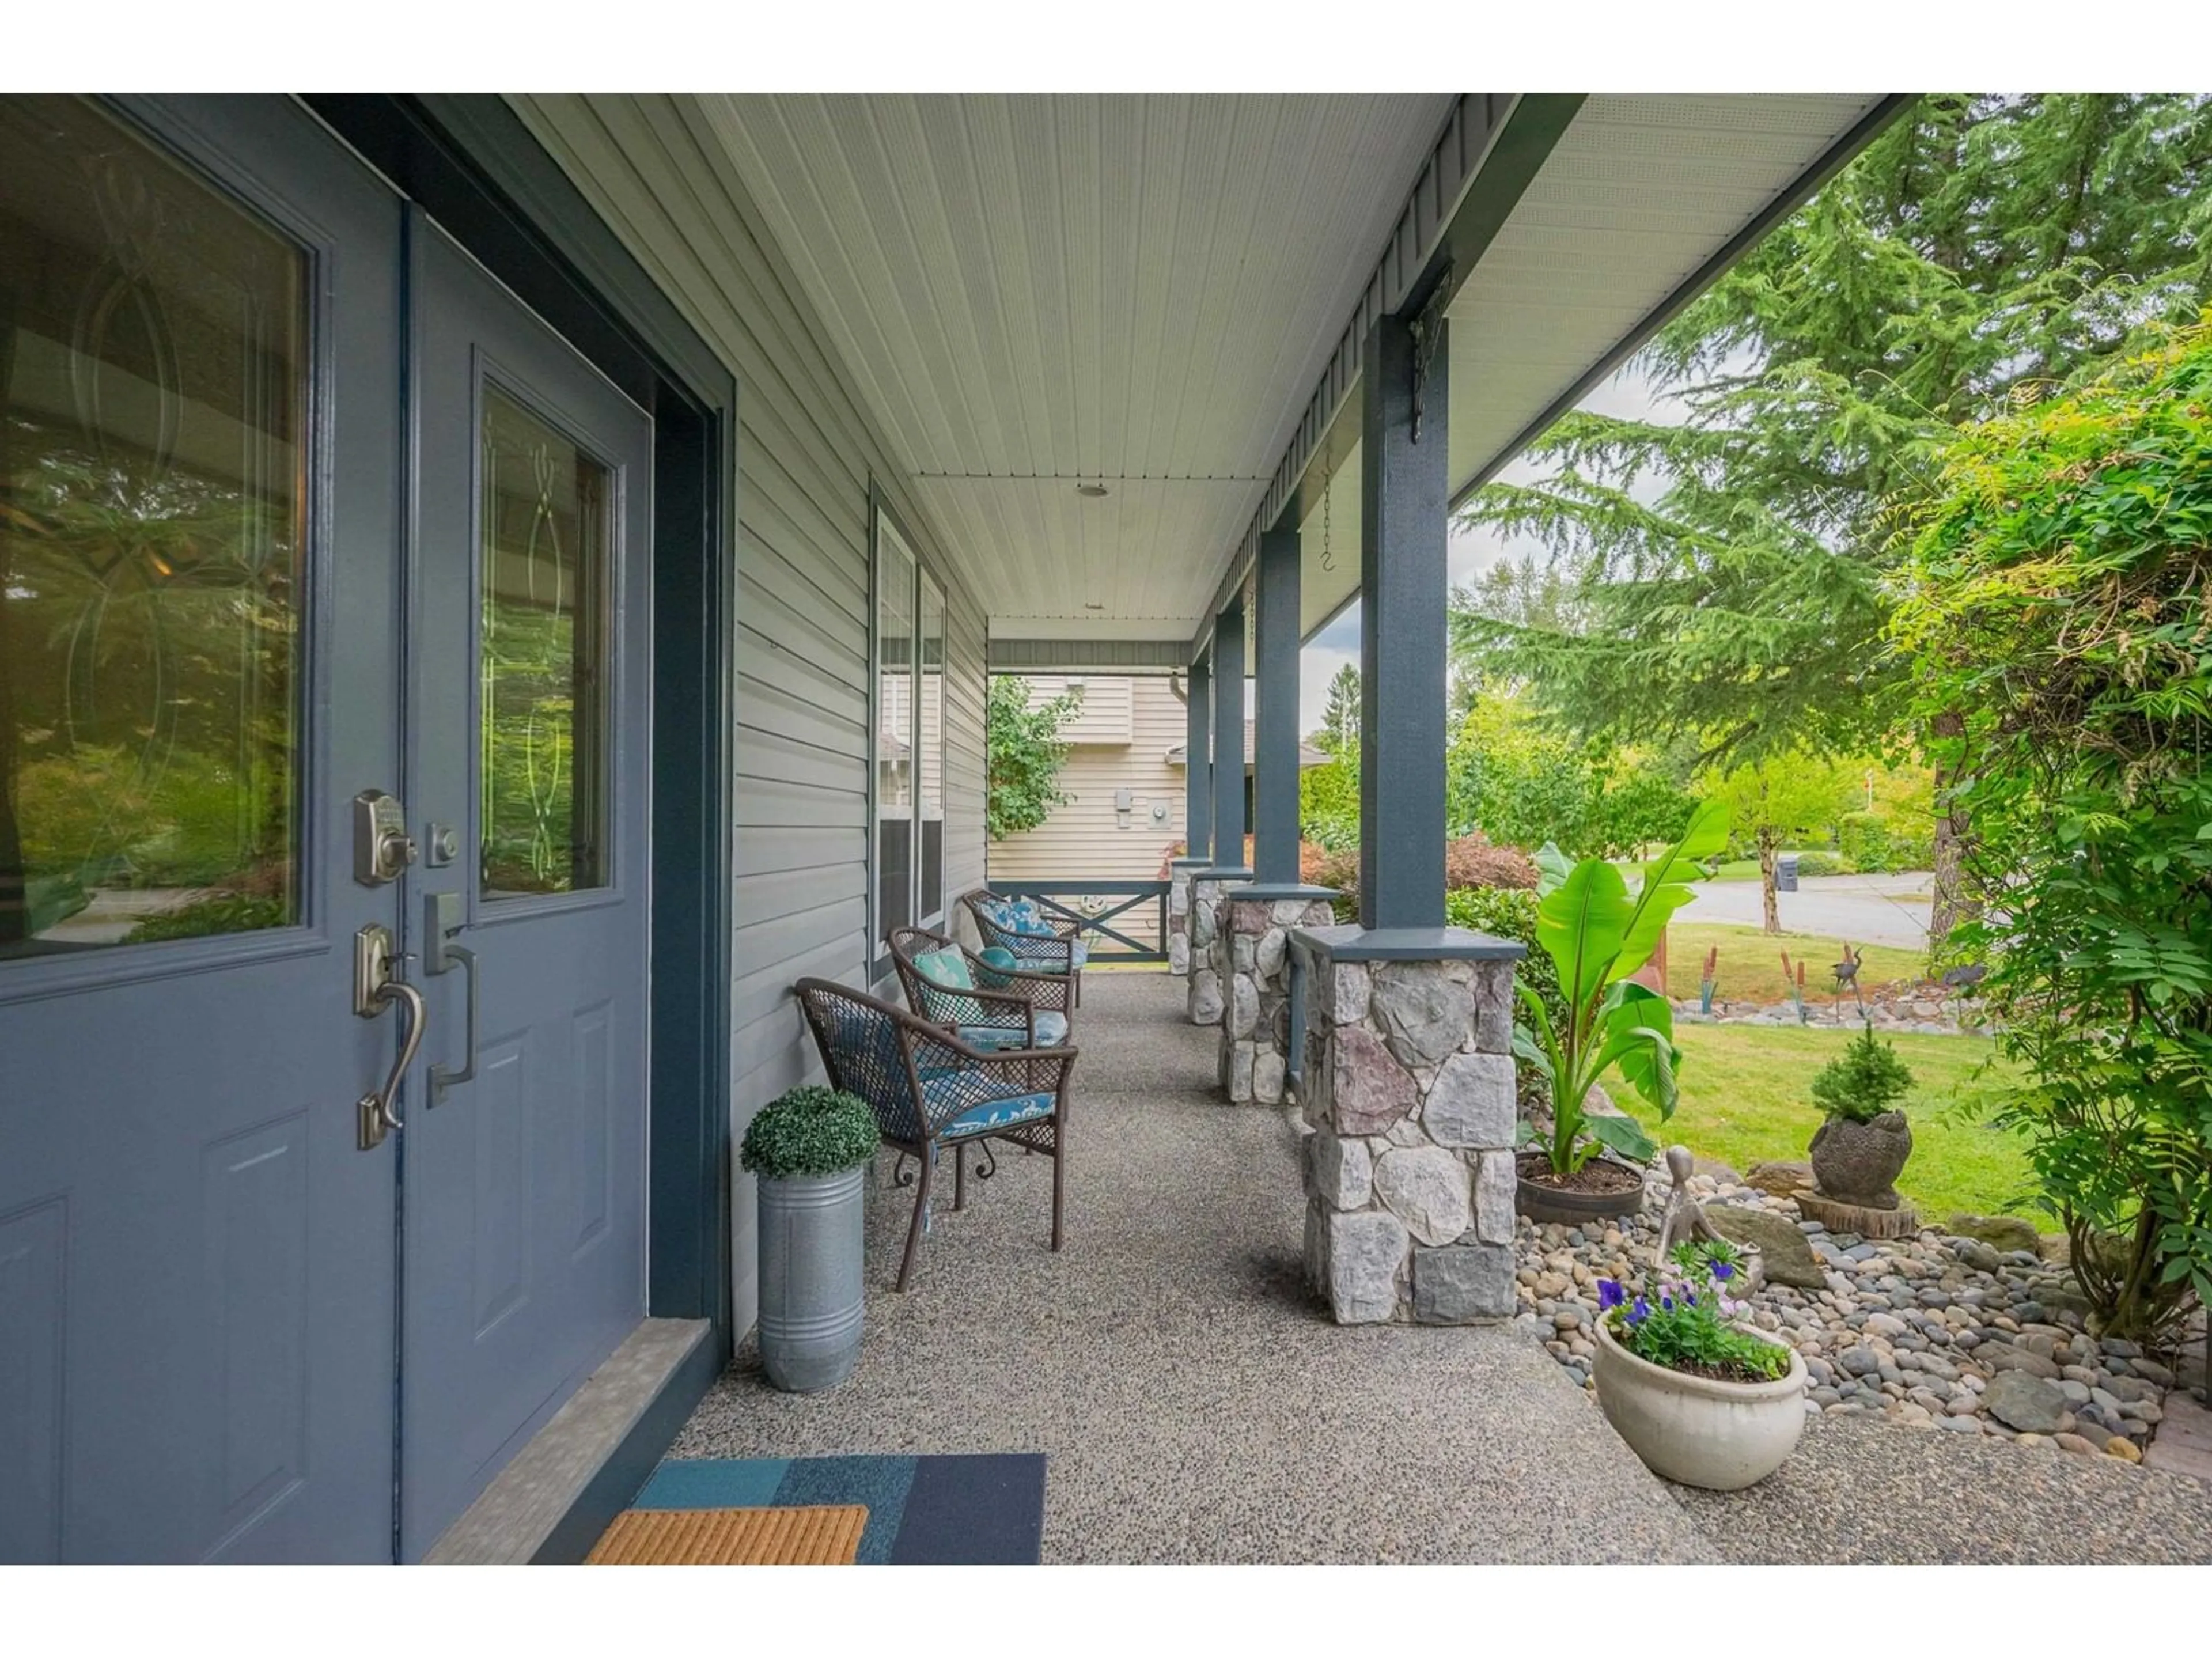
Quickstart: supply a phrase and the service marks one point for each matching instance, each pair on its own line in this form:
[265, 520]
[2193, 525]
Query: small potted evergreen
[1863, 1143]
[808, 1147]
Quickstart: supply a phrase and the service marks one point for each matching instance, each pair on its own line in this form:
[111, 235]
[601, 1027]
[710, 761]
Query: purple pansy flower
[1640, 1312]
[1667, 1303]
[1724, 1271]
[1609, 1294]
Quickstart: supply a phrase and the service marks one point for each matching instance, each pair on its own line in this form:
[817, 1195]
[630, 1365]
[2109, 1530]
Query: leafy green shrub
[809, 1131]
[1860, 1083]
[1511, 913]
[2054, 623]
[1329, 804]
[1878, 844]
[1818, 864]
[1024, 755]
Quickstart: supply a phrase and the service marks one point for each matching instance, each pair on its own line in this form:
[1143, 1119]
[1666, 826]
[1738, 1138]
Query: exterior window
[930, 773]
[894, 744]
[909, 737]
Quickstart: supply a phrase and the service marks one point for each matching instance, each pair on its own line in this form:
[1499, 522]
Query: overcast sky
[1627, 393]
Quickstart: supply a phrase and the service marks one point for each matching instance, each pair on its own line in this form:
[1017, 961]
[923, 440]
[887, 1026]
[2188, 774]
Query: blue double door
[325, 634]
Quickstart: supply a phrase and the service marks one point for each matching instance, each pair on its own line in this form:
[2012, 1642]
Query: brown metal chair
[929, 1089]
[1060, 951]
[1003, 1008]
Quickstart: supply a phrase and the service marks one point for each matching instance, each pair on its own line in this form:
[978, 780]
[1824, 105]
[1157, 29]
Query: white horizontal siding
[1086, 839]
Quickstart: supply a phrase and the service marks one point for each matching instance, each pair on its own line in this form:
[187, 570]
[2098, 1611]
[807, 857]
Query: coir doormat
[826, 1535]
[985, 1510]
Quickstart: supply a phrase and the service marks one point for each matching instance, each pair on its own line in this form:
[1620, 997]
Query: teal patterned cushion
[997, 957]
[997, 1114]
[1051, 1032]
[943, 972]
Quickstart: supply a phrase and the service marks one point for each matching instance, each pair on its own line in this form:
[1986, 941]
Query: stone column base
[1179, 871]
[1252, 955]
[1408, 1085]
[1207, 988]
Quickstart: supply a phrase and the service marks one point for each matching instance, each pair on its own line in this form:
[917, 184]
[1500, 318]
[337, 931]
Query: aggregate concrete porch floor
[1195, 1404]
[1192, 1400]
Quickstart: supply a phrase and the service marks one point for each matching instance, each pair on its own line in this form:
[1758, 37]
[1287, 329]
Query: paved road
[1856, 909]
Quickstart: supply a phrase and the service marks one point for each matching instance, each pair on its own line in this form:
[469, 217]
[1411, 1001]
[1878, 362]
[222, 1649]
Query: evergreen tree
[1730, 570]
[1339, 720]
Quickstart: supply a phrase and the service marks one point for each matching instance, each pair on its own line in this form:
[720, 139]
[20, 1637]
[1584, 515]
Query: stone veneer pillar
[1251, 957]
[1179, 871]
[1409, 1090]
[1208, 989]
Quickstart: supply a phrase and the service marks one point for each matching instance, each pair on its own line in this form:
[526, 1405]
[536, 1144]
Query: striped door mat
[980, 1510]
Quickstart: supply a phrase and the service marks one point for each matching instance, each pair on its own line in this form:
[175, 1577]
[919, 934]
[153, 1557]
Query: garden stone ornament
[1686, 1222]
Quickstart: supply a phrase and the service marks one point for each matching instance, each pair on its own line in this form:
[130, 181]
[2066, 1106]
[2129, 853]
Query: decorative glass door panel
[152, 524]
[544, 535]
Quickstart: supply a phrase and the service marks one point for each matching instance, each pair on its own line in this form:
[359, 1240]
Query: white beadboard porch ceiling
[1638, 194]
[1032, 292]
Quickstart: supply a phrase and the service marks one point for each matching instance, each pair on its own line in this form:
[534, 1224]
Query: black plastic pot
[1542, 1203]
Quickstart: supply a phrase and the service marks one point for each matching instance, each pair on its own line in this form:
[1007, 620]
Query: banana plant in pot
[1599, 935]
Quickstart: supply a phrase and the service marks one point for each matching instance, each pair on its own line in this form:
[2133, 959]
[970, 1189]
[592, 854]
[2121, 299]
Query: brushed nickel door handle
[374, 990]
[443, 1078]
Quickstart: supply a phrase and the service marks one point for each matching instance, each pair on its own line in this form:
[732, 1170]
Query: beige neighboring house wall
[1120, 740]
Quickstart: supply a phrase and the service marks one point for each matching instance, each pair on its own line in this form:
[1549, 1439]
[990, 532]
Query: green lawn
[1746, 1096]
[1750, 968]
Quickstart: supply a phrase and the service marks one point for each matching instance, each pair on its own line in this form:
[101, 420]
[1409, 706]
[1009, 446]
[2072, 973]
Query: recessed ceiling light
[1093, 490]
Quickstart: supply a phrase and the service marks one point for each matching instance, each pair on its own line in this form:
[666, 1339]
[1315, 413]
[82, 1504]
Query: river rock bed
[1935, 1332]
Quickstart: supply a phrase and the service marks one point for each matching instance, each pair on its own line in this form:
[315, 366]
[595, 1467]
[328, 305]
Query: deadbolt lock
[382, 848]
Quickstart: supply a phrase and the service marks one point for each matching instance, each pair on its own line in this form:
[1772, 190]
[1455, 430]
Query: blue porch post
[1198, 763]
[1197, 810]
[1403, 581]
[1229, 739]
[1275, 713]
[1209, 983]
[1409, 1043]
[1259, 1023]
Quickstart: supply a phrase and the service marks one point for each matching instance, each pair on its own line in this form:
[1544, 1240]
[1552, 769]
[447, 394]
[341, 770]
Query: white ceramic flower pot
[1724, 1436]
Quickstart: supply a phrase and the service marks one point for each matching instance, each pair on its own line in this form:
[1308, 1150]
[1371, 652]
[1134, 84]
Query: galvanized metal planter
[810, 1275]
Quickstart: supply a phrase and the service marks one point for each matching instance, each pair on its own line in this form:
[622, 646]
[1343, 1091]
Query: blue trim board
[985, 1510]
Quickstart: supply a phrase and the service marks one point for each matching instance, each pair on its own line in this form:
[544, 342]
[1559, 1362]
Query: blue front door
[525, 1203]
[199, 667]
[297, 506]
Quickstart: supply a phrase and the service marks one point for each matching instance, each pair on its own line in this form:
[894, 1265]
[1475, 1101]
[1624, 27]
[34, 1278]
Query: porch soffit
[1032, 292]
[1638, 194]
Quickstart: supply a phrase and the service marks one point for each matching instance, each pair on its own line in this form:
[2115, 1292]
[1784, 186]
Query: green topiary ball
[809, 1131]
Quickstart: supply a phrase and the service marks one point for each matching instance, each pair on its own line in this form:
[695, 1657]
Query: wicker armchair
[929, 1089]
[1060, 951]
[1006, 1008]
